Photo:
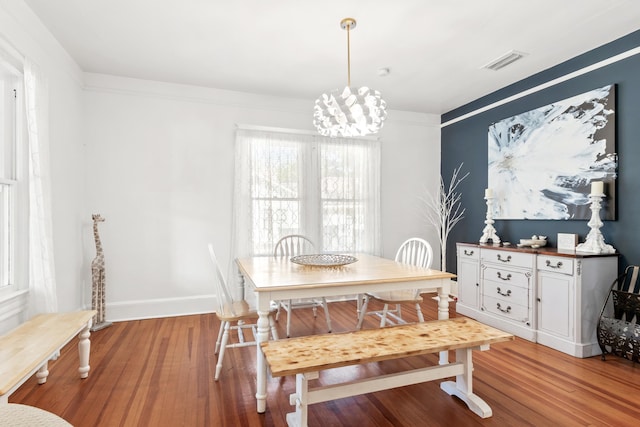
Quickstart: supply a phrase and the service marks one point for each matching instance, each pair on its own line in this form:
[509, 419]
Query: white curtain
[325, 188]
[269, 169]
[352, 224]
[42, 285]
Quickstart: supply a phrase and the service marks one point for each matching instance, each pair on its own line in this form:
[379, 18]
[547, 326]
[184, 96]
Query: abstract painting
[542, 162]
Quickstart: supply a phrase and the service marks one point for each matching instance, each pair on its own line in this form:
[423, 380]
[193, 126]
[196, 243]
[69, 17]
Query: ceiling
[296, 48]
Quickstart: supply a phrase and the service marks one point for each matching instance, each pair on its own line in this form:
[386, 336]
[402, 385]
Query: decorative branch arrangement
[444, 210]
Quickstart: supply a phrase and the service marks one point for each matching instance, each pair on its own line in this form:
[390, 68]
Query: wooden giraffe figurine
[98, 279]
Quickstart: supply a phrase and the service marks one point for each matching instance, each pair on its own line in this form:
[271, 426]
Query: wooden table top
[318, 352]
[273, 273]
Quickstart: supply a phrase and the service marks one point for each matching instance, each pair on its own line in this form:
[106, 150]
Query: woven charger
[324, 260]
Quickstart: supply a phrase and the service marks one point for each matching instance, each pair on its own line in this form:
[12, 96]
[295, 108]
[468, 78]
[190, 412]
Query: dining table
[278, 278]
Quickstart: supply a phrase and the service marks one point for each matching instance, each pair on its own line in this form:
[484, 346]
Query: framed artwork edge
[572, 142]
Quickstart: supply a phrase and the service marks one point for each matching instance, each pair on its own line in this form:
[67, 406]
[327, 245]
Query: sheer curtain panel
[42, 285]
[327, 189]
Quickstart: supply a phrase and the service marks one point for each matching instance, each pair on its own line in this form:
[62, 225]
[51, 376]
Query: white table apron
[339, 285]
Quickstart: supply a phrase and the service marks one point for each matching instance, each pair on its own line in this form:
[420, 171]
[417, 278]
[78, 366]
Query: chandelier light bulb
[352, 112]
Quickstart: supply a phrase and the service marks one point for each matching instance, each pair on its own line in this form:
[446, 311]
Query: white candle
[597, 187]
[488, 193]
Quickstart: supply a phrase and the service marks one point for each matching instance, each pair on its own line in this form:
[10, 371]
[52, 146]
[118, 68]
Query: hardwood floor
[159, 372]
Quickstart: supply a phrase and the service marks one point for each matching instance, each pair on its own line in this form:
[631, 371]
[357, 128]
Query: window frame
[312, 216]
[13, 180]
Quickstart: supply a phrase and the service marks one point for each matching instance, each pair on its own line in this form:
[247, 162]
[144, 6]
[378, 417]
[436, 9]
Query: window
[12, 193]
[326, 189]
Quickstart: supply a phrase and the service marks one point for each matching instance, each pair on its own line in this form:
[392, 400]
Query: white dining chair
[414, 251]
[289, 246]
[234, 314]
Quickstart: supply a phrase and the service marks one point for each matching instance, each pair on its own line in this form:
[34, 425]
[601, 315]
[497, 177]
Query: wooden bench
[28, 348]
[307, 356]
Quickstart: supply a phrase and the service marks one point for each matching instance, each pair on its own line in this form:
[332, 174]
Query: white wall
[160, 170]
[410, 170]
[22, 32]
[156, 160]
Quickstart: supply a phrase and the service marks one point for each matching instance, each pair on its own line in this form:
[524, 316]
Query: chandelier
[350, 112]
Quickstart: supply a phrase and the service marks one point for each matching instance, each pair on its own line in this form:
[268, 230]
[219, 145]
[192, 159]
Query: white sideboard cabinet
[468, 276]
[542, 295]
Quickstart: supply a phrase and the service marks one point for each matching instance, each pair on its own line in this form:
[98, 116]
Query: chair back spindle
[224, 298]
[235, 315]
[289, 246]
[415, 251]
[292, 245]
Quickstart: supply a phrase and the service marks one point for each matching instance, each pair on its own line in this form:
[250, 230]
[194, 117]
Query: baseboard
[169, 307]
[166, 307]
[581, 350]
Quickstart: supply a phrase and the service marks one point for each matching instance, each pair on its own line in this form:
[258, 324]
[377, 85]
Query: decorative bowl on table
[324, 260]
[534, 242]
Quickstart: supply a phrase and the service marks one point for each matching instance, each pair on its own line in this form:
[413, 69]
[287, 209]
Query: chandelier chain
[348, 56]
[352, 111]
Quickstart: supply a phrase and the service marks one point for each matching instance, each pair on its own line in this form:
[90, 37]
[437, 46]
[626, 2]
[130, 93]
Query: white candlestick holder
[489, 233]
[595, 241]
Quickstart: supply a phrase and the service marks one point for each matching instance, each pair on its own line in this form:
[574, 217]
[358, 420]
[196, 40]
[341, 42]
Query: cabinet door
[468, 284]
[555, 304]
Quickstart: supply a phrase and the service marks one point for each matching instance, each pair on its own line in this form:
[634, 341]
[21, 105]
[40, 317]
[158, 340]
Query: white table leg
[261, 364]
[443, 299]
[84, 348]
[443, 312]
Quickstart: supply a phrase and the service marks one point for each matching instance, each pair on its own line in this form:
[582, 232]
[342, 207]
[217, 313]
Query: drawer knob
[504, 278]
[504, 310]
[504, 294]
[508, 259]
[468, 253]
[558, 264]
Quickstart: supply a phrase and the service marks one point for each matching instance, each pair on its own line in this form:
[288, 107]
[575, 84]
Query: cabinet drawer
[506, 309]
[506, 276]
[555, 264]
[468, 252]
[507, 258]
[506, 292]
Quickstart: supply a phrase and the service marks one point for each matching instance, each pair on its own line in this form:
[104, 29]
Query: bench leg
[84, 347]
[463, 386]
[301, 400]
[43, 373]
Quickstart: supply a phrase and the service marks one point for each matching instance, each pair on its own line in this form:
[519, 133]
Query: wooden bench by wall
[306, 356]
[28, 348]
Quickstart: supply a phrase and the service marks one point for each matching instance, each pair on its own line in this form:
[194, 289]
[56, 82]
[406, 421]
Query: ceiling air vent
[506, 59]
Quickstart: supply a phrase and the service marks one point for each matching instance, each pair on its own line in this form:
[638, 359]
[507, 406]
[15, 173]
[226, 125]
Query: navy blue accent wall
[466, 142]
